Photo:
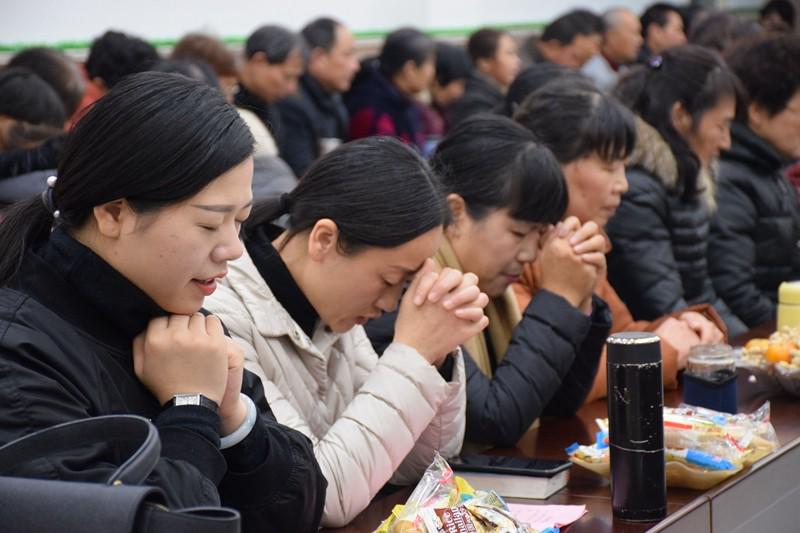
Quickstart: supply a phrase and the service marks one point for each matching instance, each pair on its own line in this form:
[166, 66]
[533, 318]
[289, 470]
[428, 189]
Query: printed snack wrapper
[702, 446]
[444, 503]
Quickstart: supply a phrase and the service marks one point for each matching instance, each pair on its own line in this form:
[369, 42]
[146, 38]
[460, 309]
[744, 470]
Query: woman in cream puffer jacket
[364, 220]
[364, 415]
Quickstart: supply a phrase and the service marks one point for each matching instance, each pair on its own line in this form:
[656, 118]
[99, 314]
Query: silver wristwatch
[192, 399]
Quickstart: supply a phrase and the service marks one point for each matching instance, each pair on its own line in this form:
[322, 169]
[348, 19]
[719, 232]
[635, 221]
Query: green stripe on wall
[366, 34]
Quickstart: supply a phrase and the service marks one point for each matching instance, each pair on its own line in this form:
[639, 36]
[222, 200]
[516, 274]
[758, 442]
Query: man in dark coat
[273, 64]
[315, 120]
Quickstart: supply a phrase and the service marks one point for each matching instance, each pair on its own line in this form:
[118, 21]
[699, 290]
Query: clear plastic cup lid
[708, 359]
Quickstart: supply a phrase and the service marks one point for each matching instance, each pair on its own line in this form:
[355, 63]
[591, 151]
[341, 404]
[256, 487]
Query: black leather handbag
[121, 504]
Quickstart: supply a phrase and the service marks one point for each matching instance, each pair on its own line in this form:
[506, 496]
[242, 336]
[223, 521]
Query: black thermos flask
[636, 427]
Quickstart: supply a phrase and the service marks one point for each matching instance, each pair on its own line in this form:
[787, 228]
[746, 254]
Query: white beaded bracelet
[244, 428]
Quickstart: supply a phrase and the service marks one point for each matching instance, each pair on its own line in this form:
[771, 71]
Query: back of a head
[114, 55]
[26, 97]
[141, 142]
[574, 120]
[196, 69]
[769, 69]
[452, 63]
[565, 28]
[58, 70]
[531, 79]
[482, 44]
[657, 14]
[320, 33]
[196, 46]
[404, 45]
[719, 30]
[783, 10]
[275, 42]
[377, 190]
[494, 163]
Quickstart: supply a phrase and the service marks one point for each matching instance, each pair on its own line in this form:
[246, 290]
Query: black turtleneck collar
[248, 100]
[315, 90]
[78, 285]
[752, 150]
[275, 273]
[267, 112]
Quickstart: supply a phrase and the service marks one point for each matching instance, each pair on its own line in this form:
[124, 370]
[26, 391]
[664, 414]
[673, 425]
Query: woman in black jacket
[103, 277]
[685, 100]
[505, 191]
[755, 232]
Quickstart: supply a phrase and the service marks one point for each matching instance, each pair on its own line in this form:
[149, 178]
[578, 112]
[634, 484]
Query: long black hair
[691, 75]
[377, 190]
[494, 163]
[574, 119]
[155, 139]
[531, 79]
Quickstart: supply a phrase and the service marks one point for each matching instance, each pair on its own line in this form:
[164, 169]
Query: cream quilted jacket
[370, 420]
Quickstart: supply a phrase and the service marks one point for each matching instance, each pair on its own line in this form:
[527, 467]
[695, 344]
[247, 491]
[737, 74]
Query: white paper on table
[544, 516]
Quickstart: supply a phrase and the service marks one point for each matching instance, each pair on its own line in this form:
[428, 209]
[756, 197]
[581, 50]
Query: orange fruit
[757, 344]
[779, 352]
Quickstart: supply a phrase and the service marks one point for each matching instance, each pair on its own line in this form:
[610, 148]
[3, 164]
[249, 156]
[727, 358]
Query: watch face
[187, 399]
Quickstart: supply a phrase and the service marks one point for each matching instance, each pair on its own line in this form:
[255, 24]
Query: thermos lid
[789, 292]
[633, 347]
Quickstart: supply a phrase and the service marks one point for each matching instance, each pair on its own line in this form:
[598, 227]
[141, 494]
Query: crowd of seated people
[358, 260]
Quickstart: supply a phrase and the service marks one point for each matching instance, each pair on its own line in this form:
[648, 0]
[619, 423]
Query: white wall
[57, 21]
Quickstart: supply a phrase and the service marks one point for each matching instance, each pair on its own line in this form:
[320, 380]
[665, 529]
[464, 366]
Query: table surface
[585, 487]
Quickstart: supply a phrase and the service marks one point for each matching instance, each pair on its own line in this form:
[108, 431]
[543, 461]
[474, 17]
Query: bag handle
[76, 433]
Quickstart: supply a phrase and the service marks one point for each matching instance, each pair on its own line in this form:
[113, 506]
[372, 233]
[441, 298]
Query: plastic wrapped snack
[779, 354]
[444, 503]
[702, 447]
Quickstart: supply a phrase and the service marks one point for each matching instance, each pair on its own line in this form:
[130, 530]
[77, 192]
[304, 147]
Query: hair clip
[47, 197]
[655, 62]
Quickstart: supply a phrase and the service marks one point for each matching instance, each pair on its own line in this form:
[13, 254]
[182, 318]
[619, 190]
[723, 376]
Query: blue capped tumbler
[636, 427]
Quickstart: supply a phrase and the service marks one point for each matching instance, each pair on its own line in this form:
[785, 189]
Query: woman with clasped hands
[103, 280]
[362, 224]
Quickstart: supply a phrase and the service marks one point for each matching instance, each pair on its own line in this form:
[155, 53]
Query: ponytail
[26, 224]
[268, 211]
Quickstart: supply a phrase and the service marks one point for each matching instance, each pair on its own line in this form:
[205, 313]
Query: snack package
[779, 355]
[444, 503]
[702, 446]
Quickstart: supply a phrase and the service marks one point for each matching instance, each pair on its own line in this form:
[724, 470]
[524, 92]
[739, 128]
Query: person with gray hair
[274, 61]
[621, 42]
